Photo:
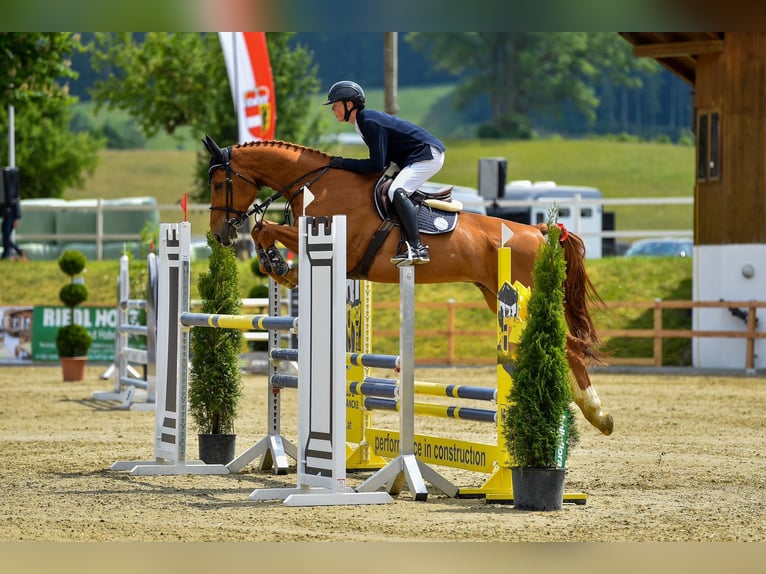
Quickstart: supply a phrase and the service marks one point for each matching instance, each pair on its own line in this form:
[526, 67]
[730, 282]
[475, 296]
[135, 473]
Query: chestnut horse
[467, 254]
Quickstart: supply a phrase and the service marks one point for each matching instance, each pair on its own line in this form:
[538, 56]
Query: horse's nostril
[222, 240]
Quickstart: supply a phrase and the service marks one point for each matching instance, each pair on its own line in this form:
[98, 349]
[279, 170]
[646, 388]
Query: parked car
[668, 247]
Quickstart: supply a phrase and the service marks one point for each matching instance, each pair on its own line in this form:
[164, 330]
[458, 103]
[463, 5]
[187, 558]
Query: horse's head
[228, 204]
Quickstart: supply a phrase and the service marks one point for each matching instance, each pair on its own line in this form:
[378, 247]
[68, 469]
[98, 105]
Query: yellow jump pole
[359, 340]
[499, 486]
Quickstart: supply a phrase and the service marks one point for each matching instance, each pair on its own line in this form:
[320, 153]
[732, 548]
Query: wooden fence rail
[453, 333]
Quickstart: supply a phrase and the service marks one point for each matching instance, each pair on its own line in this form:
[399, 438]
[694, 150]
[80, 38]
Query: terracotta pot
[73, 368]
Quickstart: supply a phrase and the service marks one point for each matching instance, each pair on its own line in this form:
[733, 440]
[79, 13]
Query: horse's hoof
[606, 424]
[291, 278]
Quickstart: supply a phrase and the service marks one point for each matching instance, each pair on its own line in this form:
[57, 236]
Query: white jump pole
[407, 467]
[172, 362]
[126, 378]
[274, 449]
[321, 372]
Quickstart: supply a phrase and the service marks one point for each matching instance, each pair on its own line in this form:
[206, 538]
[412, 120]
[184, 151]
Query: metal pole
[391, 71]
[11, 137]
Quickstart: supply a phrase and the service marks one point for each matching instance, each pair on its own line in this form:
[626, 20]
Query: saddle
[437, 213]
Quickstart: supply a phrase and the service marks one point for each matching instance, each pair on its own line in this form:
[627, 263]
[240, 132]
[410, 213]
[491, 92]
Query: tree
[215, 383]
[522, 73]
[540, 396]
[34, 68]
[168, 80]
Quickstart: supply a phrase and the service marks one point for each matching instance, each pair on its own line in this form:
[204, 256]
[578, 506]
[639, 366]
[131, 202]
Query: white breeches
[414, 175]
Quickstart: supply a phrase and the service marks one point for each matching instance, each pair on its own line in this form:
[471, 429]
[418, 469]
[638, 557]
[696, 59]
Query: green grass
[617, 279]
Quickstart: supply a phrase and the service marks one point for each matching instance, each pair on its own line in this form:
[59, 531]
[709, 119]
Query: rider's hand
[336, 162]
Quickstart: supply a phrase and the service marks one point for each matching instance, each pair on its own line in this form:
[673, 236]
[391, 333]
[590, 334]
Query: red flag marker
[184, 206]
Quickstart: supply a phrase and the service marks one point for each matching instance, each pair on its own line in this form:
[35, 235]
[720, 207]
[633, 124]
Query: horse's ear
[212, 147]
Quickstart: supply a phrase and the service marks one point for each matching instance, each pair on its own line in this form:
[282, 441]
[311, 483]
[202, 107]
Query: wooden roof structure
[677, 51]
[727, 73]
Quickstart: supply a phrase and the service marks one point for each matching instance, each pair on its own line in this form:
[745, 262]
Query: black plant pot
[216, 448]
[538, 488]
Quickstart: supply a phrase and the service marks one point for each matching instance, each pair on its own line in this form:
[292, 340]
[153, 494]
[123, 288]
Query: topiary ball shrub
[255, 267]
[72, 262]
[73, 341]
[73, 294]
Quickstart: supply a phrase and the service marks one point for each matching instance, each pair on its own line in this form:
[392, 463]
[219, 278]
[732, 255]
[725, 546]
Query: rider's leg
[412, 176]
[413, 251]
[409, 179]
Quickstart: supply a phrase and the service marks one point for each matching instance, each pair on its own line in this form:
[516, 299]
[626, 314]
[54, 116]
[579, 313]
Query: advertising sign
[99, 321]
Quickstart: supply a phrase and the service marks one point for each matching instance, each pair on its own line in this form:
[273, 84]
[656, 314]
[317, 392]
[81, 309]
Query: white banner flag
[252, 85]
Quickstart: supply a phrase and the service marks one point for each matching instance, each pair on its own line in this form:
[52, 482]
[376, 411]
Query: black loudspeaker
[492, 175]
[9, 186]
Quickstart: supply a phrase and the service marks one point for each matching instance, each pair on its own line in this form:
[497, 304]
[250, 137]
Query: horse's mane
[282, 144]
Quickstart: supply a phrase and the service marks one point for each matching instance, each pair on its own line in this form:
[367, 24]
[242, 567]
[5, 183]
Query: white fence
[103, 235]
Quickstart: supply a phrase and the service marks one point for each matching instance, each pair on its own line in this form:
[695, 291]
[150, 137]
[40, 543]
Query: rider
[390, 139]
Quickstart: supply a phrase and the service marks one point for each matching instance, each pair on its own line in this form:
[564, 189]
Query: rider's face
[339, 110]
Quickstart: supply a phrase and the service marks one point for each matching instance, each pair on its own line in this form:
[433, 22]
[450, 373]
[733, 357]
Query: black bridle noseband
[257, 208]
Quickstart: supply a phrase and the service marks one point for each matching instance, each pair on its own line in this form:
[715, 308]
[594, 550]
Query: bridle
[257, 209]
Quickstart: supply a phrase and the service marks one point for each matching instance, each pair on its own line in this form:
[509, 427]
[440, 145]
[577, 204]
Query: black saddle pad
[431, 220]
[435, 221]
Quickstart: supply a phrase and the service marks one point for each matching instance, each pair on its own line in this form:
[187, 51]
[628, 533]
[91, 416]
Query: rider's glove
[336, 162]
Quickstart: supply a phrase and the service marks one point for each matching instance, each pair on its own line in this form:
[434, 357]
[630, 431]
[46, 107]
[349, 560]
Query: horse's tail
[579, 294]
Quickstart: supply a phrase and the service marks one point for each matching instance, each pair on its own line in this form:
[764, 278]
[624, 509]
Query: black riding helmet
[346, 90]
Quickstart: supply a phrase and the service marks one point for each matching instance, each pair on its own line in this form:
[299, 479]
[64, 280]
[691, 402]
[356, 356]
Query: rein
[257, 208]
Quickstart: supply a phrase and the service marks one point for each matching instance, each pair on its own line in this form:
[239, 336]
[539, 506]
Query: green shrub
[259, 292]
[540, 397]
[215, 382]
[255, 267]
[73, 294]
[73, 341]
[72, 262]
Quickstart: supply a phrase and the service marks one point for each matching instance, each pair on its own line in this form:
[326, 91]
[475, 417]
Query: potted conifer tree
[539, 422]
[73, 340]
[215, 381]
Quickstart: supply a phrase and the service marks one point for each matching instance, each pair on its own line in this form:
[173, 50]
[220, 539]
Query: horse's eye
[217, 186]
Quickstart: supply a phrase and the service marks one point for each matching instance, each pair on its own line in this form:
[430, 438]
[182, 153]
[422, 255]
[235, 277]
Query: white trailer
[580, 208]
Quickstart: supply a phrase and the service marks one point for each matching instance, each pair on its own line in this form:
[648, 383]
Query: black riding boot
[413, 251]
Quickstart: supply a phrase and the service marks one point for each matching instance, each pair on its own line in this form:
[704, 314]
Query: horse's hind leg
[583, 392]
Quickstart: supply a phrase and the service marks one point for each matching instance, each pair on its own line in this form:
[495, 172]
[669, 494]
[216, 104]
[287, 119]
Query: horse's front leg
[271, 261]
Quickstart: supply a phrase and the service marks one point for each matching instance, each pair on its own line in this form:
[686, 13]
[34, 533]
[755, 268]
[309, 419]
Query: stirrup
[410, 256]
[421, 255]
